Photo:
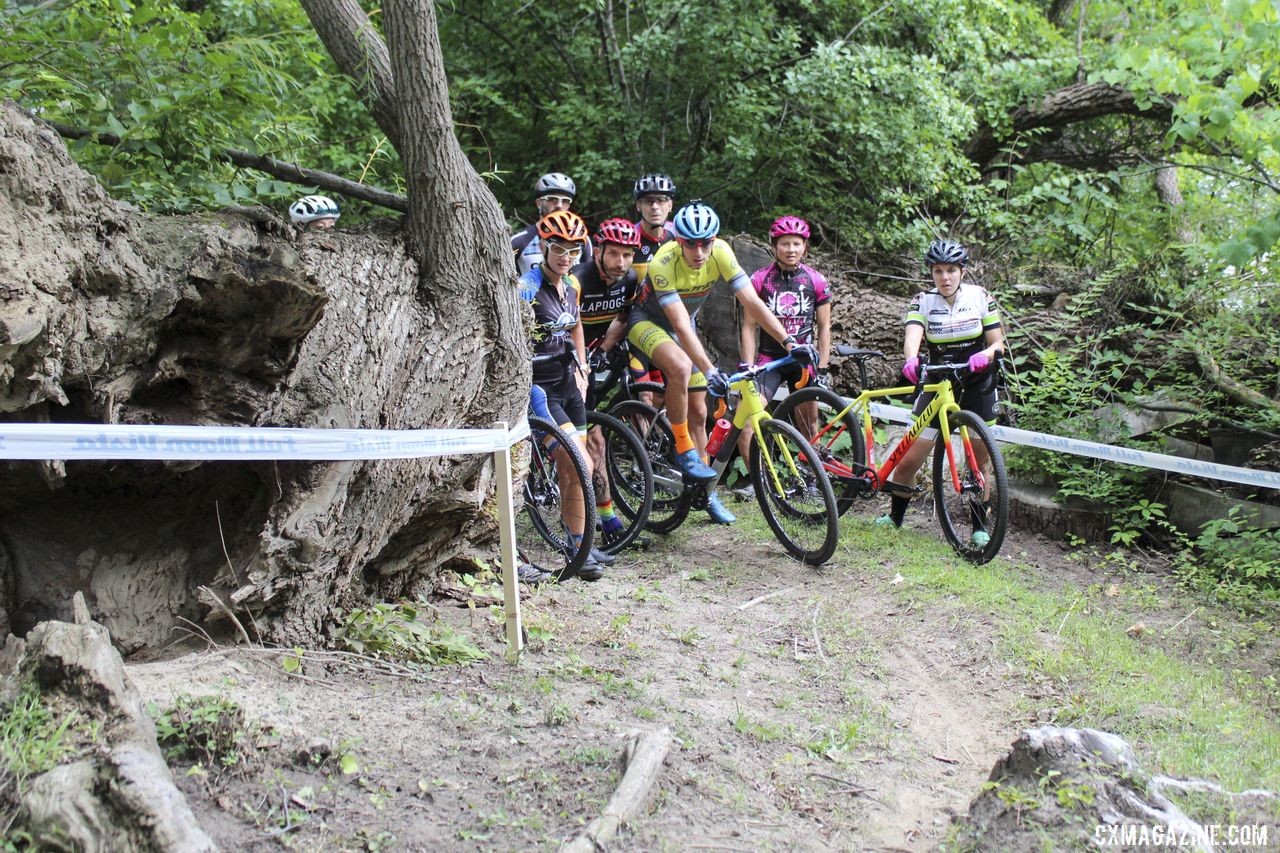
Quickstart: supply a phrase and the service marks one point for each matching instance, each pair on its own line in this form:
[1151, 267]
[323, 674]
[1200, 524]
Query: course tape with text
[220, 443]
[1111, 453]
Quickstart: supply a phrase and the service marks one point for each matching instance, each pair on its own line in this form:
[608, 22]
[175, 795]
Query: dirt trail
[813, 710]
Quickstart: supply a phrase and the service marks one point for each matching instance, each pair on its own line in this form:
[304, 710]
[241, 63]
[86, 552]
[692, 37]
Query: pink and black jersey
[793, 297]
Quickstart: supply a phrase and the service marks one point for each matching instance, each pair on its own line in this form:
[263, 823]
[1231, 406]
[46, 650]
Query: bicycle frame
[752, 408]
[943, 404]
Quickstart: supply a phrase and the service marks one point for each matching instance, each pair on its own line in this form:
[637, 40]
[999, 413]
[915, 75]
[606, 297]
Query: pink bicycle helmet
[785, 225]
[618, 230]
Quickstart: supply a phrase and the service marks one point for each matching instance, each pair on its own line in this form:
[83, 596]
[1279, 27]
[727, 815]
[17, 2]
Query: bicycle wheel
[540, 529]
[794, 492]
[975, 518]
[671, 500]
[838, 440]
[626, 475]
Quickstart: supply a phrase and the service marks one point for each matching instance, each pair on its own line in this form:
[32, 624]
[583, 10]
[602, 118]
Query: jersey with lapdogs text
[599, 302]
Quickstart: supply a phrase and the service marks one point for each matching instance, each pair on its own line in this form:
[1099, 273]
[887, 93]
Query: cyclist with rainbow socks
[608, 285]
[958, 322]
[679, 280]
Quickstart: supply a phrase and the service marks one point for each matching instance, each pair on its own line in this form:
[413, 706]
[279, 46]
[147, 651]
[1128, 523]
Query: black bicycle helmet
[655, 183]
[946, 252]
[555, 183]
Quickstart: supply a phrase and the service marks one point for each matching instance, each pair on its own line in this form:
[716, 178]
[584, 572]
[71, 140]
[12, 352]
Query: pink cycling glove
[911, 369]
[979, 362]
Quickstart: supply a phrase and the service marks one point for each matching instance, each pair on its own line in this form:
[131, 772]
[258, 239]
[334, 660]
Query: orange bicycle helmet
[562, 225]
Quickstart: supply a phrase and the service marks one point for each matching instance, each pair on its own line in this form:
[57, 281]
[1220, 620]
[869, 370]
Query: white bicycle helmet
[312, 207]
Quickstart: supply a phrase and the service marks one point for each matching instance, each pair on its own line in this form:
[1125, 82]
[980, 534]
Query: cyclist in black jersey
[957, 322]
[553, 191]
[607, 284]
[654, 195]
[559, 371]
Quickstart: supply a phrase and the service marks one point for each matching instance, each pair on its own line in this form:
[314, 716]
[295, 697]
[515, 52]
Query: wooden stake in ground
[644, 755]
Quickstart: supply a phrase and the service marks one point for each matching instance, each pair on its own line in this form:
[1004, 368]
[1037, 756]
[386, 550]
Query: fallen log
[643, 756]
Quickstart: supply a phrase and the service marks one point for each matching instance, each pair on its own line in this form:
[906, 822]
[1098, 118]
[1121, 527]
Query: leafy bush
[207, 730]
[1234, 559]
[395, 631]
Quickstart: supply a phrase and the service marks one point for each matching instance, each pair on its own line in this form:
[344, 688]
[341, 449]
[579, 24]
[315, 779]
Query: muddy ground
[812, 709]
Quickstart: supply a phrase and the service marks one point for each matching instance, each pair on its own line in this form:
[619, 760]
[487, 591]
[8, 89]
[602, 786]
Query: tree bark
[1060, 108]
[111, 316]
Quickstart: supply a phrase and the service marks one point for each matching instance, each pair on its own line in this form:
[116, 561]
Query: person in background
[553, 191]
[314, 212]
[654, 195]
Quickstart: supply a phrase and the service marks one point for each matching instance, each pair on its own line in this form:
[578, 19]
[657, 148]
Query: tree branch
[288, 172]
[1233, 388]
[1068, 105]
[361, 54]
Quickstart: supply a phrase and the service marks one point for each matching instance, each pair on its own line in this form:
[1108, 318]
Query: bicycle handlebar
[756, 369]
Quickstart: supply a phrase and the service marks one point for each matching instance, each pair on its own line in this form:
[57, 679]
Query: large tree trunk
[117, 317]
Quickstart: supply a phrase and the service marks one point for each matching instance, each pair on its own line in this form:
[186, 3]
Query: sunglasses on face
[655, 199]
[698, 244]
[561, 251]
[558, 199]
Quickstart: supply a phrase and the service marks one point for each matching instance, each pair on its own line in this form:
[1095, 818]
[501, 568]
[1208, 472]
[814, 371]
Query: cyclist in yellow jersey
[680, 277]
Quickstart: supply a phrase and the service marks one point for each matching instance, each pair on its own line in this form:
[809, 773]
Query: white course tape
[218, 443]
[1111, 453]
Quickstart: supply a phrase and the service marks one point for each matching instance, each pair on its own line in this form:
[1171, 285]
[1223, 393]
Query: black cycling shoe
[602, 557]
[590, 571]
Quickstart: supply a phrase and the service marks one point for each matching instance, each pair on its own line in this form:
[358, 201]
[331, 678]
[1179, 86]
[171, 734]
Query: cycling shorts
[978, 396]
[646, 336]
[561, 403]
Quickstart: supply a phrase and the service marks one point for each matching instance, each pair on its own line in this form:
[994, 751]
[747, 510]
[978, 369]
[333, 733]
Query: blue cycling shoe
[693, 468]
[718, 512]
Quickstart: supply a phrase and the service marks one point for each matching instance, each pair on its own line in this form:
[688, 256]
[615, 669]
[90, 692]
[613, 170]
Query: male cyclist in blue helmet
[679, 279]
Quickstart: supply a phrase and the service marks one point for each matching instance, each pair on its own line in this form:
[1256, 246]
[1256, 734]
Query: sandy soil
[833, 714]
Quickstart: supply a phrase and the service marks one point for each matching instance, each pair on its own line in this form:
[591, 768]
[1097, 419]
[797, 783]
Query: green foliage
[180, 83]
[33, 736]
[210, 731]
[397, 632]
[1236, 560]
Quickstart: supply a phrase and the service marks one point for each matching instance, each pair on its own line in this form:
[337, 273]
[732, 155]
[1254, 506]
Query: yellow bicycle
[970, 485]
[791, 486]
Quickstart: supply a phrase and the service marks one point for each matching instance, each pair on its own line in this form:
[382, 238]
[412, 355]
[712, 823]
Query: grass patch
[1106, 678]
[35, 736]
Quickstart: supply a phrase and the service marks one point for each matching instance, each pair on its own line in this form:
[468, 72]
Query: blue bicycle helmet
[946, 252]
[696, 221]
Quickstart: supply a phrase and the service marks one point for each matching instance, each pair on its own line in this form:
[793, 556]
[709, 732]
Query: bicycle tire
[838, 440]
[796, 498]
[541, 534]
[628, 475]
[964, 513]
[672, 501]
